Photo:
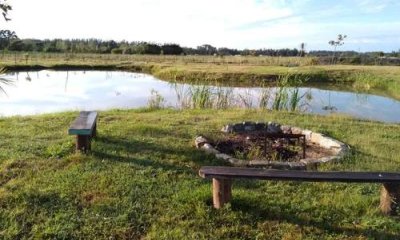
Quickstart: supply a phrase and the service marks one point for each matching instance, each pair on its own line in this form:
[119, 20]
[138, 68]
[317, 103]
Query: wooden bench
[222, 182]
[84, 127]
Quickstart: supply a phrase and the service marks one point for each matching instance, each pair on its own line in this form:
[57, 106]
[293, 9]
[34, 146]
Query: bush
[116, 51]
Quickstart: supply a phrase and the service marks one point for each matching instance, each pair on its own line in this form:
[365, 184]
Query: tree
[171, 49]
[4, 7]
[5, 38]
[339, 42]
[302, 51]
[206, 49]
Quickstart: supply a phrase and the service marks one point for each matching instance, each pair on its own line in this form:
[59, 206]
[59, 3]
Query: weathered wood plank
[390, 198]
[83, 143]
[311, 176]
[84, 124]
[222, 192]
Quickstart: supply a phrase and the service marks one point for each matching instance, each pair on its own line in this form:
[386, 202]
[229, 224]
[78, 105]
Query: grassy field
[231, 70]
[140, 181]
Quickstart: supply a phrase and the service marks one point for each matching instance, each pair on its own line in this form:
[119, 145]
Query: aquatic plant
[201, 97]
[182, 95]
[287, 96]
[294, 99]
[245, 99]
[363, 80]
[264, 97]
[222, 98]
[156, 101]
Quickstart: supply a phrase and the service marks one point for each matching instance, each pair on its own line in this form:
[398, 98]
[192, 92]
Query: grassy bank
[140, 181]
[233, 70]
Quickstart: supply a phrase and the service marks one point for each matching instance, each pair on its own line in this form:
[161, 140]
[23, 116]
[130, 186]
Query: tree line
[10, 42]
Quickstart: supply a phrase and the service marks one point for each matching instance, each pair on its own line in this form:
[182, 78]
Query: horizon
[250, 24]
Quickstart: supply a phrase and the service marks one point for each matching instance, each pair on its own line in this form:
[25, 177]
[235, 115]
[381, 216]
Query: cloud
[373, 6]
[230, 23]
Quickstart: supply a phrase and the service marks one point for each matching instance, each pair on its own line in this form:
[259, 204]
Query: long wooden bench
[84, 127]
[222, 182]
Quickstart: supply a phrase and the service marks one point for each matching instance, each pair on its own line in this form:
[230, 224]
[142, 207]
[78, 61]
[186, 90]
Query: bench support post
[94, 133]
[390, 198]
[82, 143]
[222, 191]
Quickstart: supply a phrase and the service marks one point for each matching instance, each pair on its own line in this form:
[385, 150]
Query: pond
[48, 91]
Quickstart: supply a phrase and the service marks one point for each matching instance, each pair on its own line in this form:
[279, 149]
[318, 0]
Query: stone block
[238, 128]
[286, 129]
[260, 126]
[227, 128]
[209, 149]
[223, 156]
[200, 141]
[296, 130]
[307, 133]
[273, 127]
[237, 162]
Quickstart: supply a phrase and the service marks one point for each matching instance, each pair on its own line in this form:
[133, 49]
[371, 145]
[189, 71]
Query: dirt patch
[259, 147]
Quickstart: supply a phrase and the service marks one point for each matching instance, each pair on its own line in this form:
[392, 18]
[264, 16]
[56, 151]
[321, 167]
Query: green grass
[140, 181]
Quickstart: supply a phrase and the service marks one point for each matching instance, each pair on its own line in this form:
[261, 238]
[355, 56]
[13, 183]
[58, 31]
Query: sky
[371, 25]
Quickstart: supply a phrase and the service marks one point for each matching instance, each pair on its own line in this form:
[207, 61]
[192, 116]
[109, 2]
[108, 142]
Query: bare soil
[257, 147]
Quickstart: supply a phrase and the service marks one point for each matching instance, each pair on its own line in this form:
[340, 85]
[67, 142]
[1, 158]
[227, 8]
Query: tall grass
[156, 101]
[286, 96]
[363, 80]
[222, 98]
[264, 97]
[201, 97]
[63, 58]
[245, 99]
[281, 99]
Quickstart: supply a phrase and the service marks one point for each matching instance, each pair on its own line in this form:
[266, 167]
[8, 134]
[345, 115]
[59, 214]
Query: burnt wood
[266, 135]
[222, 181]
[255, 173]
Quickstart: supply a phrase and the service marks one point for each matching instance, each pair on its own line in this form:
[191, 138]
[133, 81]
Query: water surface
[54, 91]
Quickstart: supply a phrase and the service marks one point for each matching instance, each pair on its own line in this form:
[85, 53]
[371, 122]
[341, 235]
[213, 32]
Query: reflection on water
[54, 91]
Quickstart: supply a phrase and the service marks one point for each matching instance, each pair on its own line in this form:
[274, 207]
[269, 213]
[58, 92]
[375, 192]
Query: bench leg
[390, 198]
[82, 143]
[94, 133]
[222, 191]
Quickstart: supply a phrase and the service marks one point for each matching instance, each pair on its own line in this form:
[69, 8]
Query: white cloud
[228, 23]
[186, 22]
[373, 6]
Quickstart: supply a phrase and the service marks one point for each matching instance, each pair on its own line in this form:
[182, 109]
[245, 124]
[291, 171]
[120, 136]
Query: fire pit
[272, 145]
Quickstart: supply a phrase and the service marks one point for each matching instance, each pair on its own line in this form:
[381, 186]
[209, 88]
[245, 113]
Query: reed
[201, 97]
[222, 98]
[264, 97]
[182, 95]
[156, 101]
[245, 99]
[287, 96]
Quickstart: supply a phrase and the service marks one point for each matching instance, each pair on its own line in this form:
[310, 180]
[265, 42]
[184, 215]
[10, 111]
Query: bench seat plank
[255, 173]
[84, 124]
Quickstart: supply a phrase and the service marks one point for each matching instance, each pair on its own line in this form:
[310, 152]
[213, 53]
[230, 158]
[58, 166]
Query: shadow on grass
[149, 154]
[284, 212]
